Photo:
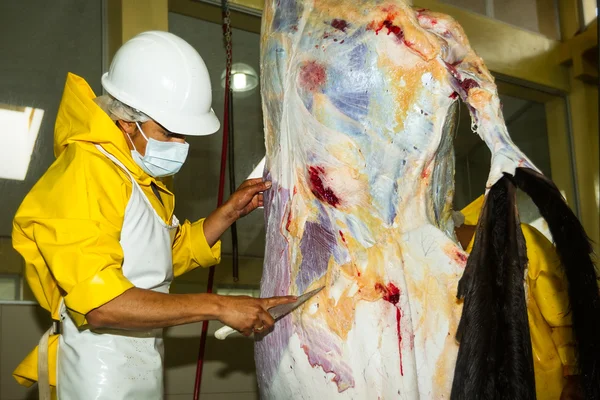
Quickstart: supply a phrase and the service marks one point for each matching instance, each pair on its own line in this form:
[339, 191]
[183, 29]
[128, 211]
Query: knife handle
[223, 332]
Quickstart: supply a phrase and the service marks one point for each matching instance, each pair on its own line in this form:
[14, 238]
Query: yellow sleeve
[70, 225]
[549, 289]
[191, 250]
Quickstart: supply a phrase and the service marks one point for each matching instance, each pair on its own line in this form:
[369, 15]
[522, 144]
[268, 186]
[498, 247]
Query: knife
[276, 312]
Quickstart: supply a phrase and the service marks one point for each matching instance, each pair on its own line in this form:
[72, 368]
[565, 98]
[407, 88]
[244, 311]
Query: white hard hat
[164, 77]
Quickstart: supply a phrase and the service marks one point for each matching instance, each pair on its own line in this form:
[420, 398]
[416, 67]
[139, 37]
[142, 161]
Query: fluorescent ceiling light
[19, 128]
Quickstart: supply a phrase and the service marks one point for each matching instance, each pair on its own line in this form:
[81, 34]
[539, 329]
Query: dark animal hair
[495, 357]
[575, 250]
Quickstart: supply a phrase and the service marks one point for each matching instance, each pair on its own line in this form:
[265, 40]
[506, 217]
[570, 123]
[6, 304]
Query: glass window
[522, 13]
[534, 15]
[477, 6]
[526, 123]
[536, 132]
[10, 287]
[589, 12]
[45, 43]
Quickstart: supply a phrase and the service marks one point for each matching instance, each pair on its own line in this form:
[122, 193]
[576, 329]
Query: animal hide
[494, 358]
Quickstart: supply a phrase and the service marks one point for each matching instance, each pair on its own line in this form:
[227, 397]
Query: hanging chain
[211, 274]
[227, 37]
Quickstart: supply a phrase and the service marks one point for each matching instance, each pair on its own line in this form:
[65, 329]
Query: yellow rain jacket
[547, 308]
[69, 225]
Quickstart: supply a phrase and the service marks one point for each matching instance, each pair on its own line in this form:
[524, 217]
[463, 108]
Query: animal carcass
[359, 99]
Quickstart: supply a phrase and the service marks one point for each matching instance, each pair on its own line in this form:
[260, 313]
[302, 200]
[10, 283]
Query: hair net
[118, 110]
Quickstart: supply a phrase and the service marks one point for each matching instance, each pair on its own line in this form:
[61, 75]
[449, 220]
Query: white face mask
[161, 158]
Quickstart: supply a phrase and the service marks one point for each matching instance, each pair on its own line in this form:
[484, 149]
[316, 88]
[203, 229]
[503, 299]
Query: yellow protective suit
[68, 227]
[547, 309]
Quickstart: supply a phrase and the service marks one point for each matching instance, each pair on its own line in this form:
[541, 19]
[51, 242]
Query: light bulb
[243, 79]
[239, 81]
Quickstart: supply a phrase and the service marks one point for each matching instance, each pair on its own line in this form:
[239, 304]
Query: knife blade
[276, 312]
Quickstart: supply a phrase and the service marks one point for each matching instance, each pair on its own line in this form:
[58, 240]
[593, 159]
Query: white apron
[118, 364]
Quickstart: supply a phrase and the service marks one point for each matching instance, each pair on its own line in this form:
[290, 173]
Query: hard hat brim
[188, 125]
[202, 125]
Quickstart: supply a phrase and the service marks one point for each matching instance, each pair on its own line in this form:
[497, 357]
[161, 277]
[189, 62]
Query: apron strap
[120, 165]
[115, 160]
[174, 222]
[43, 373]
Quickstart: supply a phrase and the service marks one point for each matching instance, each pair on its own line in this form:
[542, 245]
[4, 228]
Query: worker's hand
[246, 198]
[573, 389]
[249, 315]
[242, 202]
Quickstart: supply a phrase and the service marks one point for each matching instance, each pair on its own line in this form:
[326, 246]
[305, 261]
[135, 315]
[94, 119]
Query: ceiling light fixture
[243, 78]
[19, 128]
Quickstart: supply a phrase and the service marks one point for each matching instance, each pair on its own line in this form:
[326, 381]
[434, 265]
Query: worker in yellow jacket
[547, 309]
[98, 235]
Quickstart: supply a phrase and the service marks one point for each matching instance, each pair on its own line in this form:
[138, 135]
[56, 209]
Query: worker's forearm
[145, 309]
[216, 224]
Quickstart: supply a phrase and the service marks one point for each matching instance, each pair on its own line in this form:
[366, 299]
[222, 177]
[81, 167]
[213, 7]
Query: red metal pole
[226, 123]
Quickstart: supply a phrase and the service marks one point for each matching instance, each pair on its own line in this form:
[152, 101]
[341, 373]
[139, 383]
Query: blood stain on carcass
[391, 294]
[468, 84]
[453, 96]
[289, 221]
[452, 69]
[321, 192]
[461, 257]
[465, 84]
[458, 256]
[396, 30]
[312, 75]
[389, 24]
[393, 29]
[339, 24]
[342, 236]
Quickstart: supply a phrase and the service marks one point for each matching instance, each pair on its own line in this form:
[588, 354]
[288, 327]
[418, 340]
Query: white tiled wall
[228, 370]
